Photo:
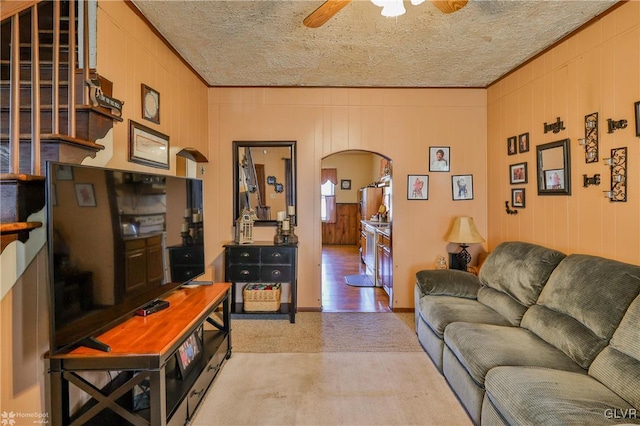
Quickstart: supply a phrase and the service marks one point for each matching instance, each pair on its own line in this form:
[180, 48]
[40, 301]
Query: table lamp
[464, 232]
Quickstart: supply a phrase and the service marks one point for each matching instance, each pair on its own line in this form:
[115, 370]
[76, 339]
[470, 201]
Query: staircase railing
[20, 170]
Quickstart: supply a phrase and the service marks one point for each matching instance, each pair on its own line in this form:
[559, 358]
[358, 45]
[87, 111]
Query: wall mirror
[264, 179]
[554, 168]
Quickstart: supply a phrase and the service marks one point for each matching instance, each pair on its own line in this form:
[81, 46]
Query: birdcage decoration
[244, 227]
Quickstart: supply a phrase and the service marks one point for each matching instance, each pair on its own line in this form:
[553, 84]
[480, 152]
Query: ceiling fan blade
[325, 12]
[449, 6]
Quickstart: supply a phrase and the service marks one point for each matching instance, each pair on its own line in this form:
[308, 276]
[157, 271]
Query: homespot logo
[621, 413]
[17, 418]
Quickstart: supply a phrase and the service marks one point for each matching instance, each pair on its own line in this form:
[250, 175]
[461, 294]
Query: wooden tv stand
[143, 355]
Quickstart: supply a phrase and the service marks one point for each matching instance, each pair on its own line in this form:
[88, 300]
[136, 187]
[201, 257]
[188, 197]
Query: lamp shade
[464, 231]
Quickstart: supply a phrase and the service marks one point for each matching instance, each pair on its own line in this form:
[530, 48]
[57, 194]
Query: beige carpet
[327, 332]
[329, 369]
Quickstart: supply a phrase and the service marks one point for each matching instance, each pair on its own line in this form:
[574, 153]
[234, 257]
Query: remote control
[155, 306]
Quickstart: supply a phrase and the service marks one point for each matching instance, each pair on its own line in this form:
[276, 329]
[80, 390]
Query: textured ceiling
[264, 43]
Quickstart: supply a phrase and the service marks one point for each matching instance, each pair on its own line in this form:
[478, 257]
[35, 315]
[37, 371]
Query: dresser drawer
[275, 274]
[187, 255]
[243, 255]
[243, 273]
[275, 255]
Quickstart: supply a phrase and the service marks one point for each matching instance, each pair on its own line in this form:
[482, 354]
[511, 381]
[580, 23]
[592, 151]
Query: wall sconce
[615, 125]
[618, 164]
[508, 209]
[590, 140]
[595, 180]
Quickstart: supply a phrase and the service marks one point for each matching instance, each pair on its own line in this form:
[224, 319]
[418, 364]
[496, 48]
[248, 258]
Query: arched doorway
[356, 259]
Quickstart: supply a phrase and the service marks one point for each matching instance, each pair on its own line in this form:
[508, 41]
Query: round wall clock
[345, 184]
[150, 104]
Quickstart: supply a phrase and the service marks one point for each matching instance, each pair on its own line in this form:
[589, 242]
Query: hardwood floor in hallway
[337, 296]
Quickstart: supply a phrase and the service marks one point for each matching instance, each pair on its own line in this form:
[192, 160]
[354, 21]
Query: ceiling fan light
[393, 8]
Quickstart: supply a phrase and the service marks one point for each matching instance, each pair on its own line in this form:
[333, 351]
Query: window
[327, 204]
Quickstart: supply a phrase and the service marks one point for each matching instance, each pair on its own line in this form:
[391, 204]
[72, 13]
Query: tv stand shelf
[144, 352]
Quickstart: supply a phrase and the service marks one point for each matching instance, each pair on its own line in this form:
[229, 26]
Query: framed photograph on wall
[147, 146]
[439, 159]
[512, 145]
[418, 187]
[523, 142]
[517, 198]
[554, 179]
[462, 187]
[85, 195]
[518, 173]
[345, 184]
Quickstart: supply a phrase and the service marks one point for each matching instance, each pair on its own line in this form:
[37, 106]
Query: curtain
[330, 175]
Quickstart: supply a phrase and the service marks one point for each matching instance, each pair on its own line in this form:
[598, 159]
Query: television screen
[118, 240]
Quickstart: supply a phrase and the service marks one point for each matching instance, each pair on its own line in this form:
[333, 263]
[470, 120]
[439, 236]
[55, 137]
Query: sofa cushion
[519, 270]
[481, 347]
[582, 304]
[618, 365]
[439, 311]
[539, 396]
[447, 282]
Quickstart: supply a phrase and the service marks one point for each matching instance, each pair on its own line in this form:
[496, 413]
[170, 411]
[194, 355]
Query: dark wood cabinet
[185, 262]
[144, 354]
[143, 261]
[262, 262]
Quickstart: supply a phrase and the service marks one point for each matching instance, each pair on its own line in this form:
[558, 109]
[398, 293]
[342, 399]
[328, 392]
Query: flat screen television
[118, 240]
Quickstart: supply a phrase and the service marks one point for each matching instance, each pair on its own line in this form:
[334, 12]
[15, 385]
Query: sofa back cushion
[513, 276]
[618, 365]
[582, 304]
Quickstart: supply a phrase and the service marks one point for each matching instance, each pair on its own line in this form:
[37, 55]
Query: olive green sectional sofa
[537, 338]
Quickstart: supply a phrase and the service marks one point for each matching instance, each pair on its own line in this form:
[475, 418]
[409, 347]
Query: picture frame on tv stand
[189, 352]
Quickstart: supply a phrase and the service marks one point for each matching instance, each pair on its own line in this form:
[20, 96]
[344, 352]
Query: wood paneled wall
[345, 230]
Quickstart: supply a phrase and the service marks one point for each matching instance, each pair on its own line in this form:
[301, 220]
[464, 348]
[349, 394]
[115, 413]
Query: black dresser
[262, 262]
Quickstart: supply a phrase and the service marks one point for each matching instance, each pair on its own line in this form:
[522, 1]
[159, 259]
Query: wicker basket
[262, 297]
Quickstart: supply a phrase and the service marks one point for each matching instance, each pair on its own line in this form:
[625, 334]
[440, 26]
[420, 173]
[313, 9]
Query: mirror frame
[236, 183]
[542, 190]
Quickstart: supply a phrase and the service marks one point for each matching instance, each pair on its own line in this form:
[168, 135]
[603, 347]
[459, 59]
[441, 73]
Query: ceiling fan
[330, 7]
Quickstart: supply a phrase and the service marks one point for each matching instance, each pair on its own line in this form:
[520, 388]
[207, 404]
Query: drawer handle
[244, 254]
[196, 393]
[187, 256]
[244, 272]
[210, 367]
[276, 254]
[276, 273]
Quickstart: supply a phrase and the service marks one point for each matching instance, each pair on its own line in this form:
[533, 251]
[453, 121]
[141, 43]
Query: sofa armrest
[447, 282]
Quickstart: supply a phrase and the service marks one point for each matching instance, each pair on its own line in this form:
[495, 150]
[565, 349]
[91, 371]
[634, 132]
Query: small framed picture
[189, 352]
[150, 104]
[418, 187]
[64, 172]
[85, 195]
[462, 187]
[345, 184]
[512, 145]
[147, 146]
[554, 179]
[523, 142]
[439, 159]
[637, 109]
[518, 173]
[517, 198]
